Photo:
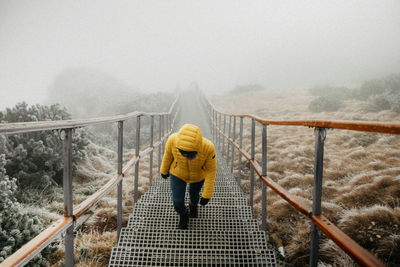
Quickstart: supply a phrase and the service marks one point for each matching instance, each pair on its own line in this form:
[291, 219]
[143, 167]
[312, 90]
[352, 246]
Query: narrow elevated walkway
[224, 234]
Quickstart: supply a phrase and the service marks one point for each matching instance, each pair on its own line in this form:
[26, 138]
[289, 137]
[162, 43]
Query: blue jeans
[178, 188]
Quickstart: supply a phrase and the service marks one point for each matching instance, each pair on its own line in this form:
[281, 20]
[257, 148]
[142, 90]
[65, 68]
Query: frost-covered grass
[361, 184]
[95, 239]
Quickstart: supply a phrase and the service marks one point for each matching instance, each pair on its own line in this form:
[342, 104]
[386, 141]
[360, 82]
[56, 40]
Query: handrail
[293, 200]
[363, 126]
[353, 249]
[37, 244]
[34, 126]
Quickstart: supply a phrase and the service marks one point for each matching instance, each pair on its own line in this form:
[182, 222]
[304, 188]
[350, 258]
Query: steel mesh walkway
[224, 234]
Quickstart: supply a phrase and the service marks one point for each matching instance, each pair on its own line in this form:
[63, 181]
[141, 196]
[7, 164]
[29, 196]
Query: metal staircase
[224, 234]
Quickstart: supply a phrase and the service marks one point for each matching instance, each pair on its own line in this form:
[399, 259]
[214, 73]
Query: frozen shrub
[35, 159]
[325, 103]
[378, 103]
[16, 227]
[331, 91]
[394, 101]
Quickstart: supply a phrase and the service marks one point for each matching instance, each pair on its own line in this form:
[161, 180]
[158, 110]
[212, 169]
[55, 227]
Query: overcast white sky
[153, 45]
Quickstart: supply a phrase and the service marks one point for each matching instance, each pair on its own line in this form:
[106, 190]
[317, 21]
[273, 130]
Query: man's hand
[204, 201]
[165, 176]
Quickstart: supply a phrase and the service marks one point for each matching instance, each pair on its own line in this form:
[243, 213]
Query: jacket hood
[189, 138]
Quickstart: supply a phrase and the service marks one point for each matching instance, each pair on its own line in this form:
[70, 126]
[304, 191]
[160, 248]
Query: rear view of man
[189, 158]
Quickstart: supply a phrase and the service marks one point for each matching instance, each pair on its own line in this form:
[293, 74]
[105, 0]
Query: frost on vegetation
[16, 226]
[375, 228]
[35, 159]
[360, 171]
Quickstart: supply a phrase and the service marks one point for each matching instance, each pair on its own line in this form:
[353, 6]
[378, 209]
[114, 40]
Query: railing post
[66, 136]
[212, 122]
[264, 173]
[320, 135]
[119, 190]
[228, 144]
[240, 154]
[233, 139]
[160, 146]
[138, 160]
[253, 139]
[167, 124]
[162, 132]
[215, 125]
[223, 137]
[152, 149]
[220, 128]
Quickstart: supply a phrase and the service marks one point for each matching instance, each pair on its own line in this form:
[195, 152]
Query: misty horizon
[160, 46]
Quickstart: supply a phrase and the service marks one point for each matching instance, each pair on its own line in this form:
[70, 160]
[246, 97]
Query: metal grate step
[192, 239]
[121, 256]
[214, 201]
[220, 189]
[209, 212]
[167, 223]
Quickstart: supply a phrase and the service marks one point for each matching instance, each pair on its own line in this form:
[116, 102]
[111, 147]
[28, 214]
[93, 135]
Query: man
[189, 158]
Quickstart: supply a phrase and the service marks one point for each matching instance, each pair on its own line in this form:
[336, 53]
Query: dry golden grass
[361, 181]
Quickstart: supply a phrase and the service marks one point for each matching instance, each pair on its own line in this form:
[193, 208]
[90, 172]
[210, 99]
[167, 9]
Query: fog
[163, 45]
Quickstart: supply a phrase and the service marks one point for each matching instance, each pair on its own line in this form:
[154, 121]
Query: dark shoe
[183, 221]
[193, 211]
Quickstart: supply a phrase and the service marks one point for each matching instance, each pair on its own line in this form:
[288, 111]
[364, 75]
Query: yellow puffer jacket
[204, 166]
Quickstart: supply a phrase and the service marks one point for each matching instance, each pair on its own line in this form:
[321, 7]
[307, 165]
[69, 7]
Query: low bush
[16, 226]
[379, 102]
[325, 103]
[35, 159]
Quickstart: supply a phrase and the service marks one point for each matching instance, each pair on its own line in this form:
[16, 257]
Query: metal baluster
[160, 146]
[223, 137]
[228, 143]
[168, 126]
[66, 136]
[163, 132]
[240, 154]
[212, 122]
[136, 196]
[253, 139]
[264, 173]
[320, 135]
[220, 127]
[119, 190]
[233, 148]
[215, 125]
[152, 149]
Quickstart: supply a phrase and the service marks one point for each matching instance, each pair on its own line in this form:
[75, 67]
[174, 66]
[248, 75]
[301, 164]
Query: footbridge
[225, 232]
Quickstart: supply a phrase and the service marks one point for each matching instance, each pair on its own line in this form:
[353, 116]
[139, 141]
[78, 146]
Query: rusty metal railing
[319, 222]
[74, 217]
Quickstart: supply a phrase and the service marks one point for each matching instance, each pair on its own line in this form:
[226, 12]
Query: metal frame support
[233, 139]
[160, 147]
[152, 149]
[253, 140]
[136, 195]
[264, 173]
[240, 154]
[212, 124]
[223, 139]
[119, 187]
[162, 132]
[220, 127]
[167, 121]
[320, 135]
[66, 136]
[215, 125]
[228, 144]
